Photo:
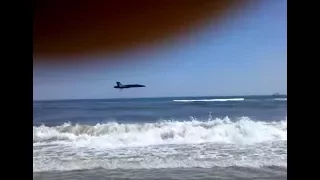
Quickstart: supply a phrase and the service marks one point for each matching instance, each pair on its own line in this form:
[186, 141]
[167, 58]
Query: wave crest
[209, 100]
[114, 135]
[280, 99]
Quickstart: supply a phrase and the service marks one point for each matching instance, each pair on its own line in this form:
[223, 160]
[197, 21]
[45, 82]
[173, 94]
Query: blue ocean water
[90, 112]
[236, 135]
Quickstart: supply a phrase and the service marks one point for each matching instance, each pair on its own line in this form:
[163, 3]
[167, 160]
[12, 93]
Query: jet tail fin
[119, 84]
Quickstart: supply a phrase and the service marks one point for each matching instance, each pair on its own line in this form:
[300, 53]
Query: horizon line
[76, 99]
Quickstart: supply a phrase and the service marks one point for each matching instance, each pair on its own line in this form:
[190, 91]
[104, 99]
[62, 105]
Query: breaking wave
[209, 100]
[165, 144]
[280, 99]
[115, 135]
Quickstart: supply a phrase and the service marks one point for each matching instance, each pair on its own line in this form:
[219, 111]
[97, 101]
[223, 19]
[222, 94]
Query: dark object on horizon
[121, 86]
[276, 94]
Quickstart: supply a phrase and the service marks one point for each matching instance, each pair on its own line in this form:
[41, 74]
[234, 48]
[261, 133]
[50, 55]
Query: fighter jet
[120, 86]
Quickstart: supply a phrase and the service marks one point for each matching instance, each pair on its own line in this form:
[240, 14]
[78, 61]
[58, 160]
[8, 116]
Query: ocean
[240, 137]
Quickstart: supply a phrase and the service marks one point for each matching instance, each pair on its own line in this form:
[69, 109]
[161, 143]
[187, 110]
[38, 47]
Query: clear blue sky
[248, 56]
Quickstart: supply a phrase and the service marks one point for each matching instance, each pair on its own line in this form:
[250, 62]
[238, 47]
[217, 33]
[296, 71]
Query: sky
[247, 56]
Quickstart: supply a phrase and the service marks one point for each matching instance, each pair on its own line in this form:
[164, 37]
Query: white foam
[280, 99]
[159, 163]
[114, 135]
[209, 100]
[64, 158]
[166, 144]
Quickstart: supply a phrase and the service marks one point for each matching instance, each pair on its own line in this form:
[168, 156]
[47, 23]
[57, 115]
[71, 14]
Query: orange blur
[74, 28]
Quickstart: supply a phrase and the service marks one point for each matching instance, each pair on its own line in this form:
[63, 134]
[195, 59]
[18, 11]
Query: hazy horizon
[201, 96]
